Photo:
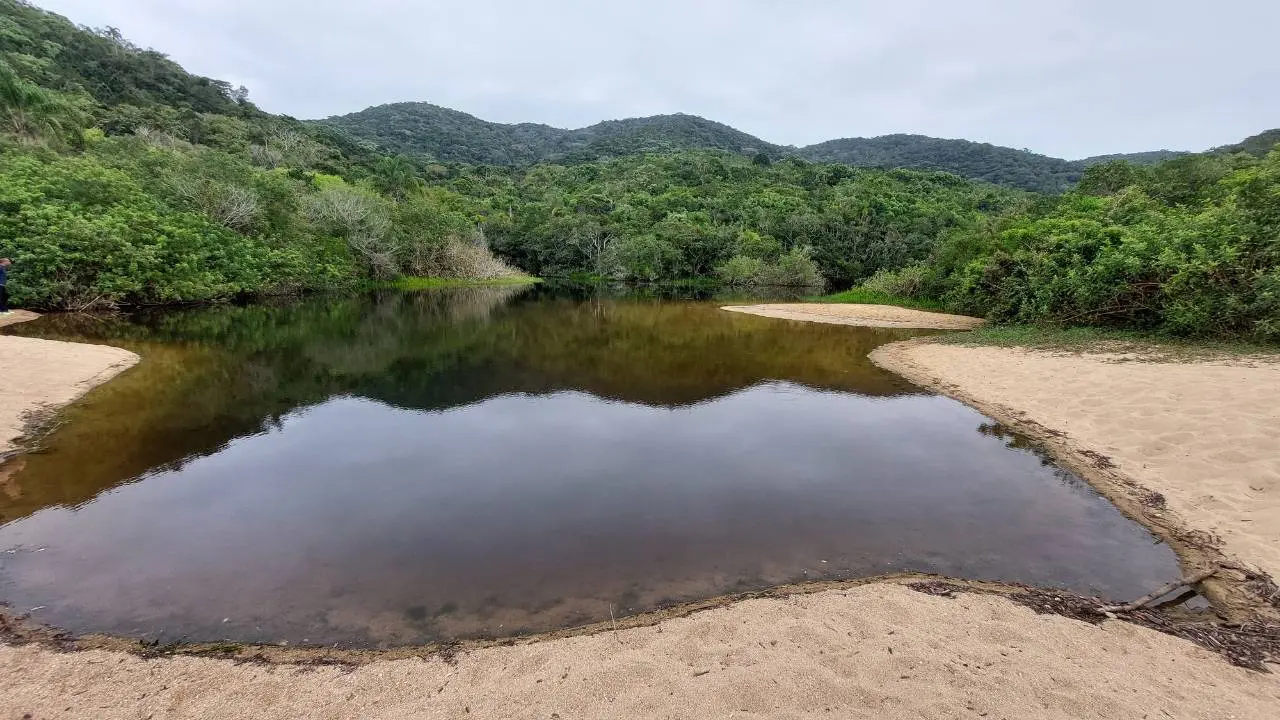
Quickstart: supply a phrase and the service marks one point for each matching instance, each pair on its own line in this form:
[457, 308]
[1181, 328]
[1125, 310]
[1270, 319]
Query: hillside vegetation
[1259, 144]
[125, 180]
[1189, 247]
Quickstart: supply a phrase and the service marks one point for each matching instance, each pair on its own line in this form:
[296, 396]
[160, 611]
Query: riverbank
[41, 376]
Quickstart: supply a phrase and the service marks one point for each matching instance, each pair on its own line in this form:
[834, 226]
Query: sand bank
[1204, 435]
[876, 651]
[861, 315]
[43, 374]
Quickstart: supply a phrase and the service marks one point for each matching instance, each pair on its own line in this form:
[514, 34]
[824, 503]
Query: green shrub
[794, 268]
[1200, 257]
[908, 282]
[740, 271]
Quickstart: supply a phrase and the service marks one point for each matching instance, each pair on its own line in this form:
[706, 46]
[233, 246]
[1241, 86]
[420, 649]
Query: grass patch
[863, 296]
[1148, 344]
[426, 283]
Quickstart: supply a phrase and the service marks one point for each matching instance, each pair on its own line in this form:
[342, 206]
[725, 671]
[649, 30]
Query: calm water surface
[401, 468]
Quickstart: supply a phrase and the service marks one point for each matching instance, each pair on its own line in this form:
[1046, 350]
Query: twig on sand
[1147, 599]
[614, 620]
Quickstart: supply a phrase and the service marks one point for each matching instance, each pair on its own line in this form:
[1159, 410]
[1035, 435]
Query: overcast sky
[1068, 78]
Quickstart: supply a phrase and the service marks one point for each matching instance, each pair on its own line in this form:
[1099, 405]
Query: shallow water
[401, 468]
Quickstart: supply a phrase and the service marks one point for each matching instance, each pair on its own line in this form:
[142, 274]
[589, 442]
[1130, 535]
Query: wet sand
[861, 315]
[41, 375]
[879, 650]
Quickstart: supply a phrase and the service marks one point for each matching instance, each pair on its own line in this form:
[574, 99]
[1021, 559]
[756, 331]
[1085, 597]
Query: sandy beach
[41, 374]
[1201, 434]
[877, 651]
[861, 315]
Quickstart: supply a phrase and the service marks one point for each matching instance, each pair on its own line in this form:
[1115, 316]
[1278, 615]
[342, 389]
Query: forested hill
[980, 161]
[1150, 157]
[59, 76]
[422, 129]
[444, 135]
[1256, 145]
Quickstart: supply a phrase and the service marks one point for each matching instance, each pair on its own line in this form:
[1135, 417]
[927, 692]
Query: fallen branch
[1151, 597]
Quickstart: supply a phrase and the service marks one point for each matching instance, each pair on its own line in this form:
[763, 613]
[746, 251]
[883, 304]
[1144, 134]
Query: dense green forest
[439, 134]
[701, 214]
[125, 180]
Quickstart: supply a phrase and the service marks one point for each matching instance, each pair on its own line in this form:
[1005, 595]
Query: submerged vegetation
[125, 180]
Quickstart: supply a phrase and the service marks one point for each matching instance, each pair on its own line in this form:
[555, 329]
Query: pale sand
[42, 374]
[1206, 435]
[861, 315]
[877, 651]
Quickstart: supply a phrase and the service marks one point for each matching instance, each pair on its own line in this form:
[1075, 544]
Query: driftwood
[1147, 599]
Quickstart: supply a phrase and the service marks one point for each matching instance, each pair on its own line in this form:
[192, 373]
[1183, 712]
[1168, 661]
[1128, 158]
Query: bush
[792, 269]
[909, 282]
[457, 257]
[1200, 257]
[740, 271]
[84, 235]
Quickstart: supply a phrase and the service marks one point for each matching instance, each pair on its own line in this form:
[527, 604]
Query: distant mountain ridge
[453, 136]
[1259, 144]
[979, 161]
[445, 135]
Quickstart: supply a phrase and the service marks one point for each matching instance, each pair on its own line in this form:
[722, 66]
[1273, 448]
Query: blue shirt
[4, 275]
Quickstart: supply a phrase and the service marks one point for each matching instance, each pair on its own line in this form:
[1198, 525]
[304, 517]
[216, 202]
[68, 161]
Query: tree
[361, 218]
[29, 112]
[593, 242]
[395, 175]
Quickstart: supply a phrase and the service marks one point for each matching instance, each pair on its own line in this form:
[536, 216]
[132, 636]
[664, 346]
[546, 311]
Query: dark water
[406, 467]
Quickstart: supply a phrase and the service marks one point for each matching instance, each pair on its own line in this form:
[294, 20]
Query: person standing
[4, 286]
